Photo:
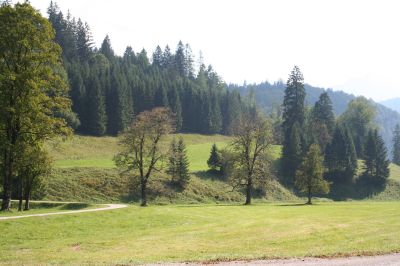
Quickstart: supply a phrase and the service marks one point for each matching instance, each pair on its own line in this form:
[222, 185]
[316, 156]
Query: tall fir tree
[84, 42]
[158, 57]
[293, 114]
[180, 63]
[106, 49]
[396, 145]
[321, 122]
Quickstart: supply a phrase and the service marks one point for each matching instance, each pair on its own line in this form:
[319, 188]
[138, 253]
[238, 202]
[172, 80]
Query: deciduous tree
[32, 86]
[250, 147]
[140, 151]
[310, 175]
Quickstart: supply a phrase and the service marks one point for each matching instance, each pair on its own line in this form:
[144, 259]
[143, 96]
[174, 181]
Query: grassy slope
[201, 232]
[86, 172]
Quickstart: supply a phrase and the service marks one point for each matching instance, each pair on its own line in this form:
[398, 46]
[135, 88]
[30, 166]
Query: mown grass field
[203, 232]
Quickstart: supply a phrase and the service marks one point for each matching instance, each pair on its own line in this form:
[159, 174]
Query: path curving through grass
[105, 208]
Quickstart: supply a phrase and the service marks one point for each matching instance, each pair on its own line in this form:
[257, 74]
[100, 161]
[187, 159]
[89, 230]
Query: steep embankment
[84, 171]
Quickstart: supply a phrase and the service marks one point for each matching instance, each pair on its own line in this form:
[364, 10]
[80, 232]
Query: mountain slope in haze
[392, 104]
[269, 96]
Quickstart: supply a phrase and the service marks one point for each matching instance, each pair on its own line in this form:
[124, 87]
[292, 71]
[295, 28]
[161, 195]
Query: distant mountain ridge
[269, 96]
[392, 104]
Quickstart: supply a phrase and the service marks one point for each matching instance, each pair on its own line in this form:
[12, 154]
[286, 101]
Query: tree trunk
[309, 197]
[144, 199]
[7, 181]
[27, 200]
[248, 192]
[20, 195]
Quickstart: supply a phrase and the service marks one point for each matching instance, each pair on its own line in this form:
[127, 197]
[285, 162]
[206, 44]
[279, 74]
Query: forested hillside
[270, 96]
[107, 89]
[392, 104]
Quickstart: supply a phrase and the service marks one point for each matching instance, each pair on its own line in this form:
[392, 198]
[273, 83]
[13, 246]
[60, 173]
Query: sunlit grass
[203, 232]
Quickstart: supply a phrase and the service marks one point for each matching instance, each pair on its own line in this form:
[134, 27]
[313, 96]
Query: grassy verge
[177, 233]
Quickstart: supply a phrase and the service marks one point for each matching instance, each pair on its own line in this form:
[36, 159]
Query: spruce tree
[180, 64]
[106, 49]
[167, 58]
[376, 162]
[84, 42]
[158, 57]
[214, 161]
[321, 124]
[340, 156]
[293, 114]
[178, 163]
[396, 145]
[182, 164]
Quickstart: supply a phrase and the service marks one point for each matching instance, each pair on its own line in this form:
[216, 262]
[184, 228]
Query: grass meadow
[177, 233]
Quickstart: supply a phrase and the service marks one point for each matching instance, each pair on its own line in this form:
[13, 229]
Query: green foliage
[358, 118]
[396, 145]
[33, 91]
[248, 163]
[321, 122]
[178, 163]
[376, 161]
[310, 175]
[340, 156]
[293, 122]
[214, 161]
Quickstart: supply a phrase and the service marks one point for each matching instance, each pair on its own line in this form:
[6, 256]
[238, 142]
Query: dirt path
[107, 207]
[381, 260]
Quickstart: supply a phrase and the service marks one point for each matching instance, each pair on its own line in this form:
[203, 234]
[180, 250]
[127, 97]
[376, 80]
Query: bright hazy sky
[349, 45]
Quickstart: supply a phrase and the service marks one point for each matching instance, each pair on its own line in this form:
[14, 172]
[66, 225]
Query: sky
[345, 45]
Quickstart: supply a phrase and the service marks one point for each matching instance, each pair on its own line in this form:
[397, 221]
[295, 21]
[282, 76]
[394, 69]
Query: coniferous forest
[107, 90]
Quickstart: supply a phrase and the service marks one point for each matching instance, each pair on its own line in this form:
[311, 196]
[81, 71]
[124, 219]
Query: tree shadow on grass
[209, 174]
[294, 205]
[196, 205]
